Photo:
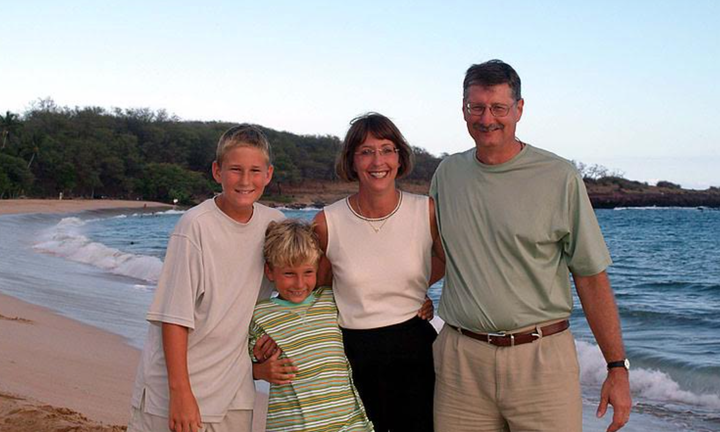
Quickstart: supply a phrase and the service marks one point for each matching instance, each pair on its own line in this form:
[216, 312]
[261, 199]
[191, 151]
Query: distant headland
[608, 192]
[140, 154]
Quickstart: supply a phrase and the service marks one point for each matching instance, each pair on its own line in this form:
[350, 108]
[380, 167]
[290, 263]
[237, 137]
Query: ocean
[101, 268]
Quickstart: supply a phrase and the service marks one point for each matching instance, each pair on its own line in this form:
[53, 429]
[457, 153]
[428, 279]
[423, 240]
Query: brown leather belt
[503, 339]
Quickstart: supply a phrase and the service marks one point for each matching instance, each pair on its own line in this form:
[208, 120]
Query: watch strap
[620, 363]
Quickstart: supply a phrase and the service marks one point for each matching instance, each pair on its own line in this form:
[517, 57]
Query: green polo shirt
[512, 234]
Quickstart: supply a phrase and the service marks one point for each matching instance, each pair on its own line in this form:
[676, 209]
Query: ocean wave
[66, 240]
[684, 316]
[667, 285]
[648, 384]
[660, 208]
[302, 209]
[151, 214]
[169, 212]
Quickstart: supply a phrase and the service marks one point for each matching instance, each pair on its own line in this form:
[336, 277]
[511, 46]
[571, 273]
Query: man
[515, 221]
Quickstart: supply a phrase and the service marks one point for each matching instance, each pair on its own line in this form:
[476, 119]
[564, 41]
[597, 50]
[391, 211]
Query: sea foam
[66, 240]
[647, 383]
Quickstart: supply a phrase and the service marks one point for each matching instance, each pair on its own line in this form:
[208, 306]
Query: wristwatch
[621, 363]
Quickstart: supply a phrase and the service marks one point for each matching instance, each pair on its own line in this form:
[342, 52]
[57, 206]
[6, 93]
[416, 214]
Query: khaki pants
[529, 387]
[234, 421]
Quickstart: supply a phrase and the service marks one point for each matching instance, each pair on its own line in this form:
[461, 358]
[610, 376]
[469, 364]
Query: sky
[631, 85]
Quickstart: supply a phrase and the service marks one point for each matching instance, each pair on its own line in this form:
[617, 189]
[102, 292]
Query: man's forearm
[598, 302]
[601, 312]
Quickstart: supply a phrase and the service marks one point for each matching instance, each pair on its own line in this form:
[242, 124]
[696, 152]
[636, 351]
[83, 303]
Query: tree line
[93, 152]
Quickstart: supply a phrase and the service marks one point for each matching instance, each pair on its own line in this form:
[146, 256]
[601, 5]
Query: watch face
[627, 364]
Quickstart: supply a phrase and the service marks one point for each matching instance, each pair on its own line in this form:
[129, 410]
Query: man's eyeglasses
[497, 110]
[383, 152]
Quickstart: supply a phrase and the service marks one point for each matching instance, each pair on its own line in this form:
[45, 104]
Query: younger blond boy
[195, 370]
[303, 322]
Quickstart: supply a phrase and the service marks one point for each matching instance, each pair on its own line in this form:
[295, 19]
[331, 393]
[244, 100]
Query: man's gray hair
[492, 73]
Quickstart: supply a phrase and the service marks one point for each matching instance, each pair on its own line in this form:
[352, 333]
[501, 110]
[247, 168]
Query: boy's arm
[184, 411]
[270, 367]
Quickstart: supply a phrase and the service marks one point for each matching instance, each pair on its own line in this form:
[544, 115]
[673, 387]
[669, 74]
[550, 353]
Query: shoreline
[57, 373]
[21, 206]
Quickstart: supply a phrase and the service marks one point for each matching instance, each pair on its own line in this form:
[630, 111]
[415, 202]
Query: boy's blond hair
[290, 243]
[243, 135]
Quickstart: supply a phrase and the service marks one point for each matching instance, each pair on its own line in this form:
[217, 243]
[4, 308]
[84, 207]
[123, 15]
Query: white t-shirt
[379, 278]
[211, 280]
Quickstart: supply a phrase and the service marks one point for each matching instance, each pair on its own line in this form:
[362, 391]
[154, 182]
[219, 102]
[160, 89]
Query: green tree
[91, 151]
[425, 165]
[167, 182]
[284, 172]
[9, 124]
[15, 177]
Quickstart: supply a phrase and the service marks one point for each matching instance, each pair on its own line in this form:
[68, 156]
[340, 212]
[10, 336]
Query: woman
[378, 246]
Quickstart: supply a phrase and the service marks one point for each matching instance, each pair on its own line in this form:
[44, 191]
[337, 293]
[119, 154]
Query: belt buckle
[499, 335]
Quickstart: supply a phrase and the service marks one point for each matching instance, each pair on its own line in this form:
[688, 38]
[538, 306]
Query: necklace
[373, 221]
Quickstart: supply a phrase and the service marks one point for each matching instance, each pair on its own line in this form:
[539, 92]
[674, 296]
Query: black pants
[394, 374]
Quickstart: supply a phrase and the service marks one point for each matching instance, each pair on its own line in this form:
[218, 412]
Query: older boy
[194, 369]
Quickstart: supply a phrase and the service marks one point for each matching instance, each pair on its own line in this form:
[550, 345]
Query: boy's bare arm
[184, 411]
[275, 370]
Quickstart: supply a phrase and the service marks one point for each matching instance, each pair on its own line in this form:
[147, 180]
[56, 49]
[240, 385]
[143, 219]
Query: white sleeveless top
[379, 278]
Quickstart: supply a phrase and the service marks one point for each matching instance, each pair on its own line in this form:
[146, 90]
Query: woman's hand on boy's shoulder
[275, 370]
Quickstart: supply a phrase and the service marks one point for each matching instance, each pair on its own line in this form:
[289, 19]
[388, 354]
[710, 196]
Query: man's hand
[184, 412]
[616, 392]
[264, 348]
[427, 310]
[275, 370]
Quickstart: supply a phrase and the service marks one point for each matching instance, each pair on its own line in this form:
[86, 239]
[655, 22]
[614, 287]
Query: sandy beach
[15, 206]
[56, 373]
[81, 372]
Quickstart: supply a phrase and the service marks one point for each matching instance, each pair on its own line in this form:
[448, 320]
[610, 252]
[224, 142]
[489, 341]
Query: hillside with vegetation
[143, 154]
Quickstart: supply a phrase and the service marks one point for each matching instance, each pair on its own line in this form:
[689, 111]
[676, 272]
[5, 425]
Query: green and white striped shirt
[322, 396]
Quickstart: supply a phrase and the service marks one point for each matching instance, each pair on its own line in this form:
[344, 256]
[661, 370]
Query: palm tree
[9, 123]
